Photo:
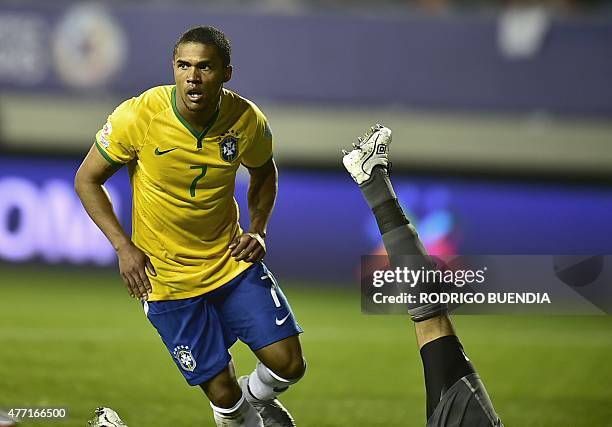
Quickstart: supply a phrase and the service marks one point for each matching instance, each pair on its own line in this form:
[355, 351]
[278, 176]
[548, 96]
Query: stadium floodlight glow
[51, 224]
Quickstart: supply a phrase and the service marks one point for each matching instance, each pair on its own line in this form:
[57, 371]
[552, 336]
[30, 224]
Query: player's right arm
[117, 143]
[89, 185]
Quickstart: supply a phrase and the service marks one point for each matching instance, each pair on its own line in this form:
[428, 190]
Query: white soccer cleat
[371, 150]
[106, 417]
[272, 412]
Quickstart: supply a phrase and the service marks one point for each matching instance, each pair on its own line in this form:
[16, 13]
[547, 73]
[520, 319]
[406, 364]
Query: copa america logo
[89, 46]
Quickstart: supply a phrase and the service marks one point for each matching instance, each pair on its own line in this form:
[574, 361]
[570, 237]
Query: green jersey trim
[198, 136]
[107, 157]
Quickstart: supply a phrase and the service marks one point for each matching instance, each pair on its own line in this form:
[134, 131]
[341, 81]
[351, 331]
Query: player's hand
[132, 265]
[249, 247]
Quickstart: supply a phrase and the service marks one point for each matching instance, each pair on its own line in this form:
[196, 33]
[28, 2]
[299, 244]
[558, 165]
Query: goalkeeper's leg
[455, 394]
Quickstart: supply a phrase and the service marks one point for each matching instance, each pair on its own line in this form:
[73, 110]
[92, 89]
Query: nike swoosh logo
[158, 152]
[281, 321]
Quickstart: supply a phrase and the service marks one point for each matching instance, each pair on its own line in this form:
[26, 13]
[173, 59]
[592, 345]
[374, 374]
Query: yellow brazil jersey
[184, 214]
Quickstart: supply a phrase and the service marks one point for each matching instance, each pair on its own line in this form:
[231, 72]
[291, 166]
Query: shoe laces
[362, 139]
[367, 135]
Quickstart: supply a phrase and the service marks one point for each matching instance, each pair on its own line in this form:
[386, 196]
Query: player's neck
[199, 120]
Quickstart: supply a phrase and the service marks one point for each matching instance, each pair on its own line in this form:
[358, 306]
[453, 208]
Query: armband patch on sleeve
[104, 135]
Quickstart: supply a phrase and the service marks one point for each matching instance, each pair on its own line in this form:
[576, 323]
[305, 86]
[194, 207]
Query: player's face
[199, 75]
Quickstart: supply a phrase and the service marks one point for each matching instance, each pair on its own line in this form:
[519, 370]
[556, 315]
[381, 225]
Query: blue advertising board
[321, 225]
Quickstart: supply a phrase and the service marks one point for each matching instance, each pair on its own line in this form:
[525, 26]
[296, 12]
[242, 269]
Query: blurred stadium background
[502, 119]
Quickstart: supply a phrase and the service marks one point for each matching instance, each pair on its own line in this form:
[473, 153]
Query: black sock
[401, 241]
[378, 188]
[444, 363]
[389, 215]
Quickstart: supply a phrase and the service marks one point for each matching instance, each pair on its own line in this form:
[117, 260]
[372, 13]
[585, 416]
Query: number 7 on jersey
[192, 189]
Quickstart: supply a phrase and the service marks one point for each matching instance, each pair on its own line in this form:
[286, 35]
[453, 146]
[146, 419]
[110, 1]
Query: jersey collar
[199, 136]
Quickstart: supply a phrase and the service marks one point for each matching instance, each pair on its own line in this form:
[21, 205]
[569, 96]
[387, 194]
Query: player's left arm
[263, 188]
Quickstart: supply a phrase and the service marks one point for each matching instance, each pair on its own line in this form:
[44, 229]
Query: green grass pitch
[76, 340]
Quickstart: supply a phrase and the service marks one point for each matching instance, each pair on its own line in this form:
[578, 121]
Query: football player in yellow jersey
[200, 277]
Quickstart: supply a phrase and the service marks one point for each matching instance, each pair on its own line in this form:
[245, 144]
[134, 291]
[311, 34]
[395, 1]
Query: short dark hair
[210, 36]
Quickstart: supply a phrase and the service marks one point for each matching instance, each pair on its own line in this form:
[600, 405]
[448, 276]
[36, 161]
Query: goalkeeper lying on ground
[455, 394]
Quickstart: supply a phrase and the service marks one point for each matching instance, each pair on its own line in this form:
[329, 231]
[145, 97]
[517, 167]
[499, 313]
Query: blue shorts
[199, 331]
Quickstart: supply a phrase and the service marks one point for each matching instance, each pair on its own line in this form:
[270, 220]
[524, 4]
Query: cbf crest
[183, 355]
[228, 147]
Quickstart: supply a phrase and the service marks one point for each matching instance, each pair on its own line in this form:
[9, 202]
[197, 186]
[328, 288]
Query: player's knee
[222, 391]
[224, 397]
[292, 368]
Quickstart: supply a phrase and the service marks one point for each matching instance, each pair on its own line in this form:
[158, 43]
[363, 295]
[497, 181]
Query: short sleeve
[119, 138]
[259, 149]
